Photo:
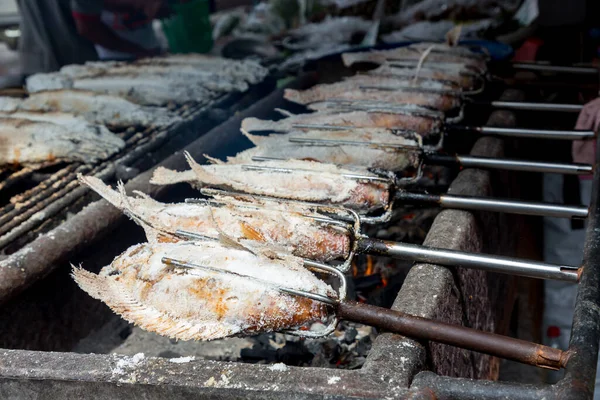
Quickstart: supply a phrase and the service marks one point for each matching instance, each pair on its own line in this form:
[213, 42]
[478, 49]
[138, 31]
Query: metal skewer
[563, 69]
[523, 106]
[446, 201]
[484, 130]
[452, 258]
[494, 205]
[461, 160]
[507, 164]
[526, 133]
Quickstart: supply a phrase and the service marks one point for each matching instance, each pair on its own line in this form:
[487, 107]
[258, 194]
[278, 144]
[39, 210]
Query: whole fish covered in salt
[204, 304]
[292, 230]
[291, 179]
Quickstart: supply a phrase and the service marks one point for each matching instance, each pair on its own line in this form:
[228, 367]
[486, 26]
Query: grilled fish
[294, 230]
[231, 70]
[248, 70]
[292, 179]
[369, 148]
[352, 91]
[413, 54]
[465, 81]
[179, 75]
[52, 136]
[397, 82]
[144, 90]
[332, 106]
[358, 119]
[201, 304]
[96, 108]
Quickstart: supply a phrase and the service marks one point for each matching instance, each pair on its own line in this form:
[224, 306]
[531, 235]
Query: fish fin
[292, 95]
[116, 296]
[350, 58]
[146, 197]
[114, 197]
[453, 35]
[285, 113]
[165, 176]
[255, 139]
[199, 171]
[225, 239]
[229, 241]
[213, 160]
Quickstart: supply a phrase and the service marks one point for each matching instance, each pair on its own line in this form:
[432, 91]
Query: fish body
[144, 90]
[357, 119]
[95, 107]
[365, 147]
[465, 81]
[201, 304]
[41, 137]
[292, 230]
[352, 91]
[291, 179]
[414, 54]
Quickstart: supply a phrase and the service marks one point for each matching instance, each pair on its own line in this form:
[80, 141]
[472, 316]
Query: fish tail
[165, 176]
[202, 175]
[116, 198]
[255, 139]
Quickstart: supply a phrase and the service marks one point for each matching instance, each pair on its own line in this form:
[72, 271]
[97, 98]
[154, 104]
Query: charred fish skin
[201, 304]
[37, 140]
[294, 231]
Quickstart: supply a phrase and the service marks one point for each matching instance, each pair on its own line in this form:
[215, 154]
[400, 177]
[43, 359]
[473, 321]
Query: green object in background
[188, 29]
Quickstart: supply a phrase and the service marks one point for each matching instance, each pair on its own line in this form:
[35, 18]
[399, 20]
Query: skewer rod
[521, 165]
[528, 133]
[454, 258]
[454, 335]
[513, 207]
[515, 105]
[507, 164]
[494, 205]
[556, 68]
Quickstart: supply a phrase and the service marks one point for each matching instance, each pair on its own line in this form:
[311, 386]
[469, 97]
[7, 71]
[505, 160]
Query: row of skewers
[245, 259]
[69, 115]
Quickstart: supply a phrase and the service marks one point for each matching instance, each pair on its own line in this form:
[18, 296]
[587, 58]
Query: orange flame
[369, 270]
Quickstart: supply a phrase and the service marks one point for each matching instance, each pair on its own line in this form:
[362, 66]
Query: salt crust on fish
[407, 53]
[95, 107]
[198, 304]
[291, 229]
[358, 119]
[365, 155]
[349, 90]
[27, 138]
[310, 181]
